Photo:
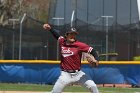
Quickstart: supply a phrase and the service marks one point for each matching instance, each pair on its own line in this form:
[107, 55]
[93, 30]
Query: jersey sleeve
[55, 33]
[85, 48]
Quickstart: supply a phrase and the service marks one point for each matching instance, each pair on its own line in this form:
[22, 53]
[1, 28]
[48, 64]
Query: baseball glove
[92, 61]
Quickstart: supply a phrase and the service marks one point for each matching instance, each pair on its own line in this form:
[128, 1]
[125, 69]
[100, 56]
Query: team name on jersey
[66, 52]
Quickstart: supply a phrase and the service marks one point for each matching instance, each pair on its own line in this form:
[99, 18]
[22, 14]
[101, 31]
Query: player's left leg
[88, 83]
[91, 86]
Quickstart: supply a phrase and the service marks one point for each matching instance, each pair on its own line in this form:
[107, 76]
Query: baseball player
[71, 52]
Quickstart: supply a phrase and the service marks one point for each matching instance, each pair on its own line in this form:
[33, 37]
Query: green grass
[22, 87]
[39, 87]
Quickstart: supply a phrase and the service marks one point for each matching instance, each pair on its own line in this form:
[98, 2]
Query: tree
[16, 9]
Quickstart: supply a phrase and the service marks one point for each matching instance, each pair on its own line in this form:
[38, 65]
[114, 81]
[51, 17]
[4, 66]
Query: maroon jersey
[71, 54]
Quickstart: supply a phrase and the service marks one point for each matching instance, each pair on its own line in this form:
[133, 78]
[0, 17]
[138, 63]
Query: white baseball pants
[69, 78]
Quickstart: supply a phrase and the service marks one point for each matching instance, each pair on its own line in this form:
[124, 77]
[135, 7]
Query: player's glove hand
[47, 27]
[92, 61]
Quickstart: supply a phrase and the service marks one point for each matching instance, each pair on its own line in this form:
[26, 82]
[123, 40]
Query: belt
[70, 71]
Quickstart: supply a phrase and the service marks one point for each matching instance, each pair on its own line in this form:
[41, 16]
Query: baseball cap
[72, 30]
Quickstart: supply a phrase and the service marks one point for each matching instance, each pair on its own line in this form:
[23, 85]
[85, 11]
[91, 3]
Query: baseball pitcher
[71, 53]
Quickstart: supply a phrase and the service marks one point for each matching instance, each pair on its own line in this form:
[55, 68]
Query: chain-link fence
[123, 42]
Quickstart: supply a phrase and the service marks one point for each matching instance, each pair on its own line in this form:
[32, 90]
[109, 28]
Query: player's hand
[47, 27]
[92, 61]
[96, 63]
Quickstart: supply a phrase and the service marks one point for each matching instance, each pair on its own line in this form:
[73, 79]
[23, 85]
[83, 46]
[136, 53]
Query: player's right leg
[62, 81]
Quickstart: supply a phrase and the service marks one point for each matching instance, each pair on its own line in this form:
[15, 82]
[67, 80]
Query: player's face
[71, 37]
